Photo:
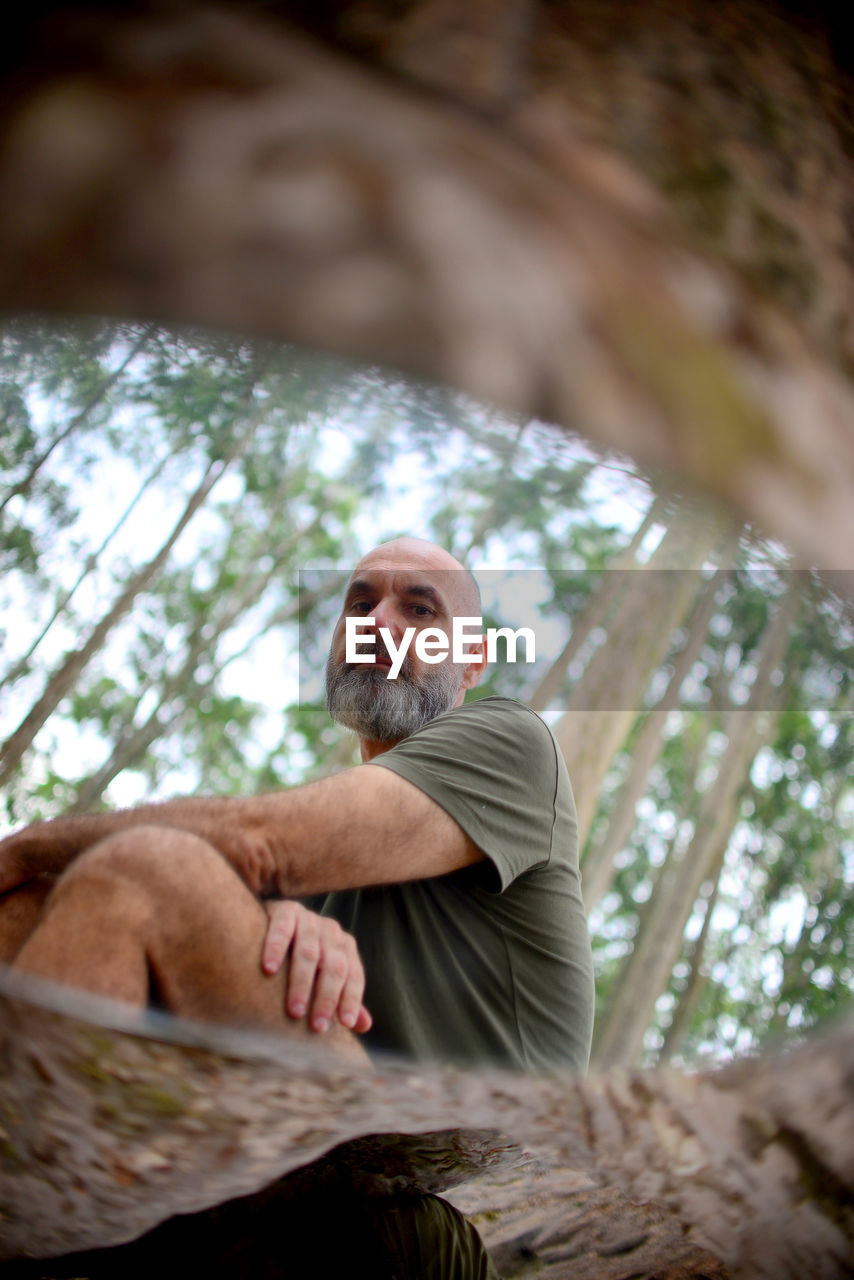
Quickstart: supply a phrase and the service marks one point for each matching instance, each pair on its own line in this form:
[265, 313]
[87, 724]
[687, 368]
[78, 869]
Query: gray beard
[362, 698]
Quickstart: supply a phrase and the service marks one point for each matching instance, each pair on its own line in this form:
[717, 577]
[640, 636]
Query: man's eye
[422, 610]
[361, 606]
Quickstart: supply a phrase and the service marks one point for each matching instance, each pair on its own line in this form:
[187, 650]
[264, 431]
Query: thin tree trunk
[135, 741]
[23, 486]
[594, 613]
[608, 698]
[599, 858]
[63, 678]
[694, 753]
[132, 747]
[64, 598]
[695, 983]
[649, 967]
[598, 863]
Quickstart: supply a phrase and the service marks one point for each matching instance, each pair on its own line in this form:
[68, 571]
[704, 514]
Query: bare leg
[154, 910]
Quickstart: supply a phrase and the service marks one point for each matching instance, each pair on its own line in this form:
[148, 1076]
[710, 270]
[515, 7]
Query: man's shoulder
[497, 726]
[498, 709]
[496, 713]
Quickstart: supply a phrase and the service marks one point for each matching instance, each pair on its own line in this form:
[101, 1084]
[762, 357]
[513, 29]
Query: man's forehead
[412, 562]
[402, 577]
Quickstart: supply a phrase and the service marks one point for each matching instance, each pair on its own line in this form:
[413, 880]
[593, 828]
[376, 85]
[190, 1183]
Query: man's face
[398, 595]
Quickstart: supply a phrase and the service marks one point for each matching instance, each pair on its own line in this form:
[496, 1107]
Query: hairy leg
[157, 911]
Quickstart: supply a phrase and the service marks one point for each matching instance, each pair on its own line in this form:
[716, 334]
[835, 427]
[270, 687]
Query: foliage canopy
[176, 515]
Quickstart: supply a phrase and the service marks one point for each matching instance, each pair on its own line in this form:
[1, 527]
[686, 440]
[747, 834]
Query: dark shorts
[325, 1235]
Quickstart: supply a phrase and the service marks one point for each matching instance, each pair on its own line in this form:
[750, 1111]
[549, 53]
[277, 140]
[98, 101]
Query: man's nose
[388, 615]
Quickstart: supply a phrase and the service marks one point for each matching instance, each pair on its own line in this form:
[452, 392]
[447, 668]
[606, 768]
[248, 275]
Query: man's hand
[325, 975]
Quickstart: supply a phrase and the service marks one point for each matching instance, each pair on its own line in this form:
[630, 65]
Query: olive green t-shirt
[491, 963]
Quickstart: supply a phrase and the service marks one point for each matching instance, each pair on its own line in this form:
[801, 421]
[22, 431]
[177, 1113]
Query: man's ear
[475, 666]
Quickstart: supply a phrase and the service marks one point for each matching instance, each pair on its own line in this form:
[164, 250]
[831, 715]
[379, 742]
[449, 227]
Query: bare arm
[50, 846]
[367, 826]
[363, 827]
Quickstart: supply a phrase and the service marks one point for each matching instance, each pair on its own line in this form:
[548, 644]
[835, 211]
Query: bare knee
[146, 878]
[143, 848]
[161, 862]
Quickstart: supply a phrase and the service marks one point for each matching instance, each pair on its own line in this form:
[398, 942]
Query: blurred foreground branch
[112, 1122]
[632, 220]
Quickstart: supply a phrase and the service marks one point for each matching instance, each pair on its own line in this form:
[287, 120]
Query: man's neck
[369, 748]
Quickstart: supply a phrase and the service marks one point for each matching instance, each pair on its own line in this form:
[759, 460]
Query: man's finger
[331, 979]
[304, 961]
[280, 932]
[350, 999]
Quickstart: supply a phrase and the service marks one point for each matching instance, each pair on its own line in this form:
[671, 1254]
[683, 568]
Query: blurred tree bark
[112, 1120]
[634, 219]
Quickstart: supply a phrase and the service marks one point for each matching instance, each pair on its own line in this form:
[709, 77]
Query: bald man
[442, 870]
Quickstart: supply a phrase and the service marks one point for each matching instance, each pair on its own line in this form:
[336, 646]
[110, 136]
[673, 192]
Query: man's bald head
[420, 553]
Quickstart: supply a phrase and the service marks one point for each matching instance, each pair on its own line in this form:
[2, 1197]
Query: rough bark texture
[107, 1130]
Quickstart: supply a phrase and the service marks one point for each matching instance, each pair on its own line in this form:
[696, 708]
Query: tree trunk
[135, 740]
[23, 486]
[594, 614]
[598, 866]
[650, 964]
[690, 995]
[608, 698]
[64, 677]
[675, 253]
[634, 217]
[114, 1120]
[65, 597]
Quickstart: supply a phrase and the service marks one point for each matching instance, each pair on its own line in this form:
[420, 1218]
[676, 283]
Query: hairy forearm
[366, 826]
[52, 845]
[252, 833]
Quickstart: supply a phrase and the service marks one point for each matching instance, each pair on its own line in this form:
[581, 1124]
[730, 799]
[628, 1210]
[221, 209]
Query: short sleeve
[494, 766]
